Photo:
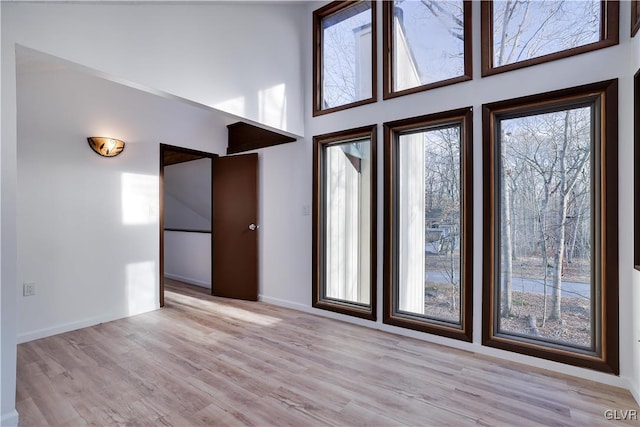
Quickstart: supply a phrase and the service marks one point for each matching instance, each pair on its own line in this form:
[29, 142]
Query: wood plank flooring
[204, 360]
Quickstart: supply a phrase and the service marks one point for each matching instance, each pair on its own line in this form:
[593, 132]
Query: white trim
[72, 326]
[633, 388]
[285, 303]
[188, 280]
[10, 419]
[476, 348]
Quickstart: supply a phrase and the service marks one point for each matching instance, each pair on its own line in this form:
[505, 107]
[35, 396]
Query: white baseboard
[285, 303]
[9, 419]
[72, 326]
[324, 313]
[188, 280]
[633, 388]
[575, 371]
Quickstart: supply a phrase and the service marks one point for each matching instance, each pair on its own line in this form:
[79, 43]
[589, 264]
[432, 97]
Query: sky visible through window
[529, 29]
[344, 36]
[434, 36]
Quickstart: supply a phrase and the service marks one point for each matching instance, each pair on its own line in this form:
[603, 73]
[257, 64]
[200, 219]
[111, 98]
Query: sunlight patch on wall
[140, 199]
[234, 106]
[141, 287]
[273, 106]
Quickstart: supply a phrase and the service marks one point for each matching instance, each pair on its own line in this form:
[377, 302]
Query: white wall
[187, 190]
[294, 288]
[180, 215]
[8, 291]
[284, 237]
[187, 257]
[88, 225]
[633, 295]
[177, 49]
[241, 58]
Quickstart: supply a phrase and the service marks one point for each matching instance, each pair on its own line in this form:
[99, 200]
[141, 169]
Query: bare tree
[570, 171]
[448, 13]
[442, 205]
[524, 29]
[553, 150]
[507, 247]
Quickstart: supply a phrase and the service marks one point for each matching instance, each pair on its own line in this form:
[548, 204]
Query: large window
[551, 248]
[427, 44]
[344, 222]
[344, 67]
[428, 235]
[516, 34]
[636, 167]
[635, 17]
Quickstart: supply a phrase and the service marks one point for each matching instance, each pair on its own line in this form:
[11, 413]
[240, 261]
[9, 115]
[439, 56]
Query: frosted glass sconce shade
[107, 147]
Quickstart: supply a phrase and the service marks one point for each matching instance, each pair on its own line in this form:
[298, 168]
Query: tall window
[427, 44]
[428, 235]
[344, 219]
[516, 34]
[636, 169]
[635, 17]
[551, 225]
[344, 66]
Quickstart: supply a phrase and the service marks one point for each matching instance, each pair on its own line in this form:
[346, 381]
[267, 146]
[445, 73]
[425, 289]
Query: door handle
[253, 227]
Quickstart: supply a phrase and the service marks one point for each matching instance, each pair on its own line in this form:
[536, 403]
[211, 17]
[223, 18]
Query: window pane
[429, 223]
[347, 187]
[428, 42]
[546, 239]
[346, 56]
[532, 28]
[635, 17]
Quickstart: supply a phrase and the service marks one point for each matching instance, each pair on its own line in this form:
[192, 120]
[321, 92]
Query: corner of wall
[634, 388]
[10, 419]
[8, 260]
[84, 323]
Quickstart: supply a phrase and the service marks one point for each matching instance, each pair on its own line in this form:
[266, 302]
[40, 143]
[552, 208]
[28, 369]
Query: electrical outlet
[28, 289]
[306, 210]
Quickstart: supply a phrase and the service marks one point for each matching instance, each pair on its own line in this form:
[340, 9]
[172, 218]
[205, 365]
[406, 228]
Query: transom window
[427, 44]
[344, 55]
[517, 34]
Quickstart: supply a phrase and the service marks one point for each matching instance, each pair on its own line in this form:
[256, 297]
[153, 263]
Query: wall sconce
[107, 147]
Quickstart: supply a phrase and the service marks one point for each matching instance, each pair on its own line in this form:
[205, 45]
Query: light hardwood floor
[210, 361]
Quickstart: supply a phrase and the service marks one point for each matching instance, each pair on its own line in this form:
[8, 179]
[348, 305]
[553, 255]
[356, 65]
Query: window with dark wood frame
[390, 80]
[597, 104]
[344, 222]
[608, 35]
[636, 167]
[349, 75]
[442, 230]
[635, 17]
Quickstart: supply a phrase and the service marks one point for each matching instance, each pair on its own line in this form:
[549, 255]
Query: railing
[184, 230]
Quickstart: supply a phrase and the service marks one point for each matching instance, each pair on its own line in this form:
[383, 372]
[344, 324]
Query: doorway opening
[224, 215]
[186, 217]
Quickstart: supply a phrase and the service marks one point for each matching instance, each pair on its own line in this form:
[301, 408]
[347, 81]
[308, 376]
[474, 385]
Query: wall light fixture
[107, 147]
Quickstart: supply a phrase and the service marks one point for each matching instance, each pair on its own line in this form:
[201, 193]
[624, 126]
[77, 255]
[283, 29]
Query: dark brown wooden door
[235, 227]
